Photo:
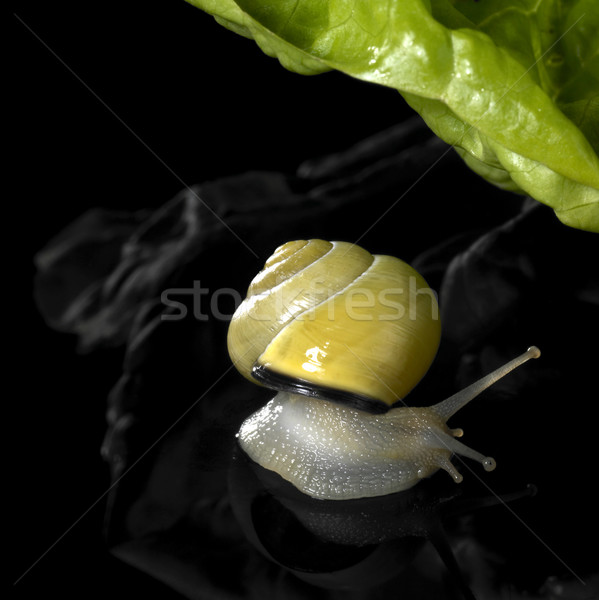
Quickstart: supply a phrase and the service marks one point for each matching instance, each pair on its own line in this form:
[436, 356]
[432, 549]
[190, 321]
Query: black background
[123, 104]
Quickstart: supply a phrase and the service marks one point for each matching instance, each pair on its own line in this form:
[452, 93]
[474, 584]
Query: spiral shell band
[329, 319]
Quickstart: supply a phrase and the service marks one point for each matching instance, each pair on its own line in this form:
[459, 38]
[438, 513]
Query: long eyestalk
[451, 405]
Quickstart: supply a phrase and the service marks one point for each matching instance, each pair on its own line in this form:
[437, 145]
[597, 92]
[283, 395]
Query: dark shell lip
[283, 383]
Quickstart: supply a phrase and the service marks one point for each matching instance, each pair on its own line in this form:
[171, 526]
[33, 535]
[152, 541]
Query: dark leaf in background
[71, 288]
[508, 275]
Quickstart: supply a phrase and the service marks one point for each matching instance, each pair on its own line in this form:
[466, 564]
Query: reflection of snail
[343, 336]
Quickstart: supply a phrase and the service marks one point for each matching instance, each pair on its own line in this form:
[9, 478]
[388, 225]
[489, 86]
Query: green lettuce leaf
[513, 85]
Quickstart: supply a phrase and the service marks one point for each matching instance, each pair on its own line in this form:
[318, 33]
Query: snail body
[331, 451]
[338, 428]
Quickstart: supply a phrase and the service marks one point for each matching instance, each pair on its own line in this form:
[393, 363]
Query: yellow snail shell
[320, 325]
[330, 319]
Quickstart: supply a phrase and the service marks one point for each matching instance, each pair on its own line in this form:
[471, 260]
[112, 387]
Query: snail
[343, 336]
